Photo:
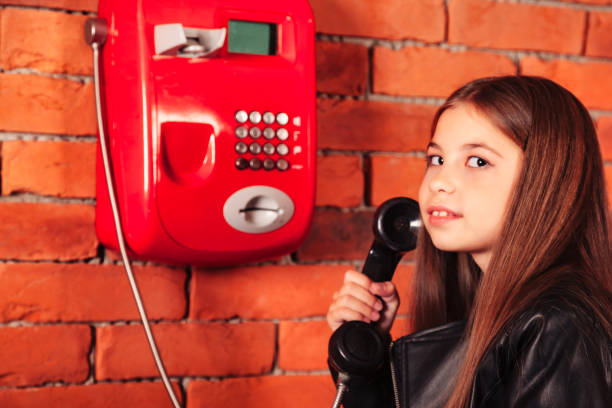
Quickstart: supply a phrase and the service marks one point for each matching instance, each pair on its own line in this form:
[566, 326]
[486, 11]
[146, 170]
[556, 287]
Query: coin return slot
[258, 209]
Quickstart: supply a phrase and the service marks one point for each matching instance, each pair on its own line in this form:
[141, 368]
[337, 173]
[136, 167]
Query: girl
[515, 243]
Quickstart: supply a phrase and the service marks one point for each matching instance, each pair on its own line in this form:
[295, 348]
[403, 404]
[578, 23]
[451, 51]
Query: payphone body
[209, 108]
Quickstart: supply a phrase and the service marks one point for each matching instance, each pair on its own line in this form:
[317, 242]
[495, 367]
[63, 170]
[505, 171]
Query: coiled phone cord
[126, 261]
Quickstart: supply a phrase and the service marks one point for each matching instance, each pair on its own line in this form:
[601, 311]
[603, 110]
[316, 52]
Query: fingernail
[374, 316]
[378, 305]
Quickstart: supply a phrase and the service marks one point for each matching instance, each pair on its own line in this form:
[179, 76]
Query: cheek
[488, 211]
[423, 190]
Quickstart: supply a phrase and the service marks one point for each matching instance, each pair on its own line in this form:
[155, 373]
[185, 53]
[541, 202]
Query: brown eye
[475, 161]
[435, 160]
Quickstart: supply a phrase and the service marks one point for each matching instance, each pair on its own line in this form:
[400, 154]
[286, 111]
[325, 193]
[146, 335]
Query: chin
[448, 243]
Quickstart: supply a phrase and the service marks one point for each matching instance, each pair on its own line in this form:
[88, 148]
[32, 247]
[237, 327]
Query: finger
[341, 314]
[361, 293]
[386, 290]
[357, 278]
[353, 303]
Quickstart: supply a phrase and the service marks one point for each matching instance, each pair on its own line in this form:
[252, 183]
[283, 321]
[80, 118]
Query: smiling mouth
[439, 217]
[440, 213]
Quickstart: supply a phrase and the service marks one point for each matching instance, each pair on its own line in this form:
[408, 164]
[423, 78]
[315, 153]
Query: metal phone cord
[95, 35]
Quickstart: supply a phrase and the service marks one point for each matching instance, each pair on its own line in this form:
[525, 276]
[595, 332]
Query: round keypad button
[255, 148]
[241, 116]
[255, 132]
[282, 149]
[282, 164]
[268, 118]
[241, 132]
[269, 149]
[268, 133]
[241, 163]
[241, 148]
[255, 163]
[282, 134]
[268, 164]
[282, 118]
[255, 117]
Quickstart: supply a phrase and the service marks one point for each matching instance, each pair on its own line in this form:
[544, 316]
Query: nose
[442, 181]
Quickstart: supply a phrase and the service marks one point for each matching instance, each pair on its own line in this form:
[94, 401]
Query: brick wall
[255, 335]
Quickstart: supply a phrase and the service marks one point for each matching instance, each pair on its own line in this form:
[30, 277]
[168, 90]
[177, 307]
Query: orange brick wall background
[251, 336]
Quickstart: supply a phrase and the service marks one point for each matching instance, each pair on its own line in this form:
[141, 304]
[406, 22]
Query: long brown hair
[555, 235]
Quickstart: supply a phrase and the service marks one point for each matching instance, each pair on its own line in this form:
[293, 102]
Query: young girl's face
[471, 172]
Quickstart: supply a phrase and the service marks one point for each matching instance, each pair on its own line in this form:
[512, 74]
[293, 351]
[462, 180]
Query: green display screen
[249, 37]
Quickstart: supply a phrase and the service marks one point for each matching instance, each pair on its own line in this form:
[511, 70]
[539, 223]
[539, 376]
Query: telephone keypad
[273, 129]
[282, 134]
[241, 132]
[268, 133]
[255, 148]
[255, 132]
[241, 116]
[268, 163]
[282, 118]
[255, 163]
[268, 118]
[255, 117]
[269, 149]
[282, 164]
[241, 148]
[241, 163]
[282, 149]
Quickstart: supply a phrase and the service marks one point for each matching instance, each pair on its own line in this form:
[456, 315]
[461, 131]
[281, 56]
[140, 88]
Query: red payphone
[209, 110]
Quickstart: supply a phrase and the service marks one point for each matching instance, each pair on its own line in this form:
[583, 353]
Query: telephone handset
[357, 348]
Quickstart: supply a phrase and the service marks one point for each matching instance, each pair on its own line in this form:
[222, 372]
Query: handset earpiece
[395, 226]
[357, 348]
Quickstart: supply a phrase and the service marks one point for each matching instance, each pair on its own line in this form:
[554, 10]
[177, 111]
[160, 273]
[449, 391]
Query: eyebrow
[468, 146]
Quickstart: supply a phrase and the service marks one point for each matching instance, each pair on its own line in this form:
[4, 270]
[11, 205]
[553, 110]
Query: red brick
[402, 326]
[608, 176]
[337, 235]
[339, 181]
[64, 169]
[428, 71]
[394, 19]
[32, 103]
[602, 2]
[39, 354]
[591, 82]
[113, 395]
[393, 176]
[212, 349]
[38, 231]
[370, 125]
[342, 68]
[47, 41]
[303, 345]
[599, 43]
[85, 5]
[296, 391]
[264, 292]
[604, 133]
[492, 24]
[43, 292]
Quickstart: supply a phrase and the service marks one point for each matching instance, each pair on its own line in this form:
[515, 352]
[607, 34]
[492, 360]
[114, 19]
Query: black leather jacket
[549, 356]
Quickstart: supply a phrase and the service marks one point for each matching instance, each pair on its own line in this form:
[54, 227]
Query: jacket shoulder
[550, 355]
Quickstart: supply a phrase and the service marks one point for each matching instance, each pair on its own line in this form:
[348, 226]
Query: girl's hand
[356, 300]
